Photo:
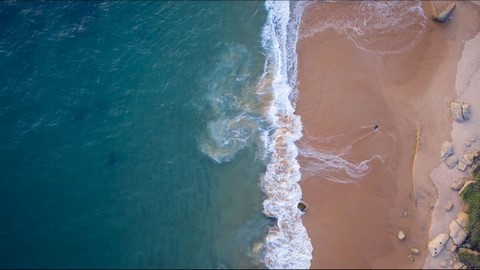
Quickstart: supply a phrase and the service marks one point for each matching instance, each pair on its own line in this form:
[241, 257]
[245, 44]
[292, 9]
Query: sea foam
[287, 244]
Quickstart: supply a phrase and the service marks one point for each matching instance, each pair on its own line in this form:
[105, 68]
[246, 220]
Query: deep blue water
[105, 109]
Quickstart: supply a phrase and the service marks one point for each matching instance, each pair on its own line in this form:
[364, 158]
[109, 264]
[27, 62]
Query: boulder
[401, 235]
[462, 166]
[462, 219]
[456, 110]
[436, 245]
[457, 233]
[469, 157]
[415, 251]
[444, 14]
[447, 150]
[458, 184]
[451, 161]
[466, 111]
[302, 206]
[448, 206]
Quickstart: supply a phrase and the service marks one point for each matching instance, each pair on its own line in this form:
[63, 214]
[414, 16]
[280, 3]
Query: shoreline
[392, 192]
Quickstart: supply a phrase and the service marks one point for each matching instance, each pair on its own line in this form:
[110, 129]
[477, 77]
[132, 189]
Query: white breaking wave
[287, 244]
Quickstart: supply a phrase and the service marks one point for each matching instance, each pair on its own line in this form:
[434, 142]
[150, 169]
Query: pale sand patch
[343, 92]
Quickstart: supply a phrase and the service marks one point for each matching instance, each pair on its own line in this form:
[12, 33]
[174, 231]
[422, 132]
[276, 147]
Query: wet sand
[343, 92]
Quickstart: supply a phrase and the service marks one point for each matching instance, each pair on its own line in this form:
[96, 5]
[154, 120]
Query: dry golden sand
[345, 90]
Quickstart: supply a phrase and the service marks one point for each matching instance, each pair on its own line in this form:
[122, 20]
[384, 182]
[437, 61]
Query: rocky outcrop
[436, 245]
[444, 14]
[447, 150]
[460, 111]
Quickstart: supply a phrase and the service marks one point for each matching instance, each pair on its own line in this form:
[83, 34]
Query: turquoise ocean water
[137, 134]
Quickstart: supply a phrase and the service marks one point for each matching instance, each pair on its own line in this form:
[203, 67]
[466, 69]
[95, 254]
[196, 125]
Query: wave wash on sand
[287, 244]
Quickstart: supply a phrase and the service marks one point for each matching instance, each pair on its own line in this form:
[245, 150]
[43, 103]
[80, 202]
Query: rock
[467, 246]
[436, 245]
[453, 248]
[443, 263]
[462, 219]
[469, 157]
[458, 184]
[457, 233]
[447, 150]
[411, 258]
[444, 14]
[405, 213]
[461, 166]
[466, 111]
[401, 235]
[456, 110]
[257, 247]
[448, 206]
[415, 251]
[465, 186]
[451, 161]
[302, 206]
[458, 265]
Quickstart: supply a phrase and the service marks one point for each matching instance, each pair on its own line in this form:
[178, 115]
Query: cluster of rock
[448, 155]
[457, 229]
[461, 112]
[457, 233]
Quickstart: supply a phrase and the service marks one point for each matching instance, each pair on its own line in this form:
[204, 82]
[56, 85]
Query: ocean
[149, 134]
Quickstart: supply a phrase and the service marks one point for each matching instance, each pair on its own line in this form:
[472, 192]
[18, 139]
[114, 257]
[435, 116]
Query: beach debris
[457, 233]
[461, 111]
[415, 251]
[468, 183]
[444, 14]
[302, 206]
[401, 235]
[436, 245]
[451, 161]
[448, 206]
[447, 150]
[458, 184]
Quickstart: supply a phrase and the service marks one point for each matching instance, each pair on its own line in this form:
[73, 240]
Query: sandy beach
[375, 111]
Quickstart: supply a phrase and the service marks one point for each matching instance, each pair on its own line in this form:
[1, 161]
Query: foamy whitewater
[287, 245]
